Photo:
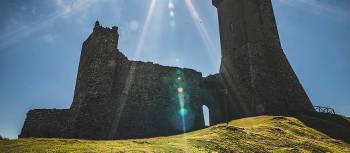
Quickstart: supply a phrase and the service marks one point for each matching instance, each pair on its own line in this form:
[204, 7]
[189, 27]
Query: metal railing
[327, 110]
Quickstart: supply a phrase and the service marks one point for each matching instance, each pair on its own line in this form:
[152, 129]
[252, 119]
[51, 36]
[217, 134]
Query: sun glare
[183, 111]
[131, 73]
[202, 30]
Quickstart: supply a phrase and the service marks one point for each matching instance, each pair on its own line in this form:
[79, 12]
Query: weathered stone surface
[47, 123]
[116, 98]
[254, 68]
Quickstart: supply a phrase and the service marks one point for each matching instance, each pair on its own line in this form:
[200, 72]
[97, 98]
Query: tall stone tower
[255, 71]
[93, 106]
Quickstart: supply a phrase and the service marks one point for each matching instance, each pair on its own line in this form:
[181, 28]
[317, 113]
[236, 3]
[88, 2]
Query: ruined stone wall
[116, 98]
[48, 123]
[151, 101]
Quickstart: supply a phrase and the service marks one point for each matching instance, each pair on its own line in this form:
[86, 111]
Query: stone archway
[206, 115]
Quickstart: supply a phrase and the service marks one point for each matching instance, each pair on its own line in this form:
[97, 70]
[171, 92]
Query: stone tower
[255, 71]
[92, 105]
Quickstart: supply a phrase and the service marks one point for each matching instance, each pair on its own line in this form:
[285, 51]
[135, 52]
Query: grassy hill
[256, 134]
[347, 118]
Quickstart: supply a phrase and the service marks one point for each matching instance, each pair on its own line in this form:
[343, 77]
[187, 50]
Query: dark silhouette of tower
[254, 68]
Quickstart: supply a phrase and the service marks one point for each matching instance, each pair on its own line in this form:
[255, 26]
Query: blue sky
[40, 44]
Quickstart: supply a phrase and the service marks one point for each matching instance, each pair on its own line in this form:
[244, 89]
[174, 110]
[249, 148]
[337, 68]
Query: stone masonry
[257, 74]
[116, 98]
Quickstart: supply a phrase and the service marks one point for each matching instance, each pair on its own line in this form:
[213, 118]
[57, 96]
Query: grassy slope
[256, 134]
[347, 118]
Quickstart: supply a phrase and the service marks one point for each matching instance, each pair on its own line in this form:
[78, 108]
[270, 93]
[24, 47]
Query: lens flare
[172, 13]
[183, 112]
[171, 5]
[180, 90]
[172, 22]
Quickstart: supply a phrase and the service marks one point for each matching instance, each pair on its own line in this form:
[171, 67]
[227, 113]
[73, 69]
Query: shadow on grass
[335, 126]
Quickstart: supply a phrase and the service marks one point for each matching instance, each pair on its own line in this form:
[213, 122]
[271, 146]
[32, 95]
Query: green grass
[256, 134]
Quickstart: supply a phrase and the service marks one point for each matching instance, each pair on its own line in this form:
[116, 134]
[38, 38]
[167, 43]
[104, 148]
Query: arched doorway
[206, 115]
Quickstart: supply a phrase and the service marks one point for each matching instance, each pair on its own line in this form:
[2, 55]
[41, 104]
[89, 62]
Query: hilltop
[255, 134]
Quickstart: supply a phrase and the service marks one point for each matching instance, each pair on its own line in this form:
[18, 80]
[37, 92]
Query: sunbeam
[183, 111]
[26, 30]
[145, 29]
[133, 66]
[212, 51]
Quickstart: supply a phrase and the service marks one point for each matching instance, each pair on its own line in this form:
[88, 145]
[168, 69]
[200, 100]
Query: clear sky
[40, 44]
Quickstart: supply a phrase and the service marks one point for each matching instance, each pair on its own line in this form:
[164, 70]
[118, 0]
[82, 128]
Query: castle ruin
[116, 98]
